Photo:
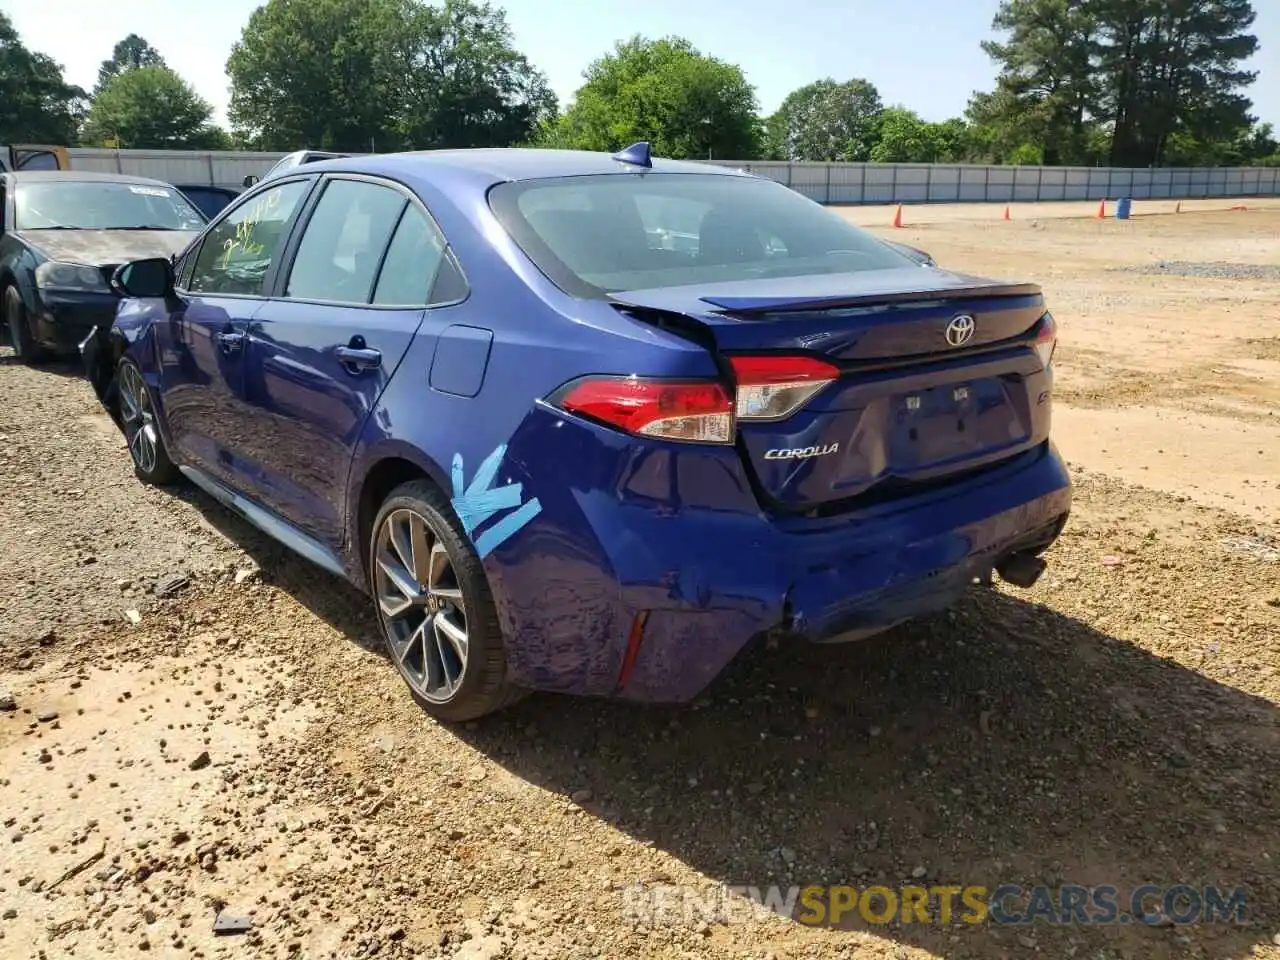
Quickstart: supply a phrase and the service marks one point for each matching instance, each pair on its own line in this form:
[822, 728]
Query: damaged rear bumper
[862, 576]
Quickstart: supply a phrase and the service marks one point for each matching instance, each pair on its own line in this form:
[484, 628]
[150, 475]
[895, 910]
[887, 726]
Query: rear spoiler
[749, 305]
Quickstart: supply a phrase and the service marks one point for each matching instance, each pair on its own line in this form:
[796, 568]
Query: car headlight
[56, 275]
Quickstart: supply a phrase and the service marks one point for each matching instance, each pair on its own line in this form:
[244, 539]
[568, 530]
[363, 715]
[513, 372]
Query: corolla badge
[478, 501]
[960, 330]
[801, 453]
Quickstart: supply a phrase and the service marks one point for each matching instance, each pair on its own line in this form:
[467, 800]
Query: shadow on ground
[1001, 743]
[329, 597]
[58, 366]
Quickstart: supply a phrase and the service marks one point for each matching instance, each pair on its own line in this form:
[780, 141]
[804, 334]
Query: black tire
[19, 330]
[151, 463]
[483, 686]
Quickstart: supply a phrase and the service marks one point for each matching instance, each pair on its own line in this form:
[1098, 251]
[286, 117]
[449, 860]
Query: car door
[351, 295]
[222, 281]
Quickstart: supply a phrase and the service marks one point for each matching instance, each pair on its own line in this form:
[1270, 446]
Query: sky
[931, 64]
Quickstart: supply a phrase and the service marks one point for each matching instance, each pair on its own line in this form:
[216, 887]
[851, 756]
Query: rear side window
[208, 201]
[413, 261]
[238, 253]
[37, 160]
[342, 247]
[593, 235]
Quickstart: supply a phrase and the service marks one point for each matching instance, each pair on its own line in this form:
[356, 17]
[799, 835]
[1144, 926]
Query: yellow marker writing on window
[243, 239]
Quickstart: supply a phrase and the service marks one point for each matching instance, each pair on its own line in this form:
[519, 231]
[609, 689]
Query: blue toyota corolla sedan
[560, 451]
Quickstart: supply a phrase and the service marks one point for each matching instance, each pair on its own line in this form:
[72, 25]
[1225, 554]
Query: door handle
[230, 342]
[359, 358]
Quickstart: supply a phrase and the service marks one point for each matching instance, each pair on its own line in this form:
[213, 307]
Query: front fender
[97, 359]
[101, 350]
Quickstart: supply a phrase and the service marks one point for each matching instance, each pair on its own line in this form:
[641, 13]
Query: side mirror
[151, 278]
[250, 179]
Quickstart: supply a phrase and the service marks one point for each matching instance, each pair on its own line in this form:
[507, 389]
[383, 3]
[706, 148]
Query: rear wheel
[15, 313]
[437, 614]
[137, 417]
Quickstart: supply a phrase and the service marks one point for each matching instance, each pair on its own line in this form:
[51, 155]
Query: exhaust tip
[1021, 569]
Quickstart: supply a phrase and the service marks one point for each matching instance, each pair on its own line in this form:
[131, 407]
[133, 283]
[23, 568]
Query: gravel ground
[200, 724]
[1217, 271]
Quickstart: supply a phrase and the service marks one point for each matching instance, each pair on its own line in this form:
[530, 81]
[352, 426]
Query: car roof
[80, 176]
[498, 164]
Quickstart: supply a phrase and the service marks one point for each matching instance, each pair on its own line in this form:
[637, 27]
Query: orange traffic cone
[1102, 209]
[1006, 213]
[897, 216]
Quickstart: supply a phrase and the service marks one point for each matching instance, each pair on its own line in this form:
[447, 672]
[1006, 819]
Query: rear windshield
[102, 205]
[594, 235]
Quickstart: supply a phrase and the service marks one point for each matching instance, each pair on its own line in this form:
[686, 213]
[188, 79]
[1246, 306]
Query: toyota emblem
[960, 330]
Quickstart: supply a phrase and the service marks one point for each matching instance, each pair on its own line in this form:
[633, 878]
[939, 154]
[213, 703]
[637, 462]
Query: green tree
[685, 103]
[36, 104]
[825, 120]
[1170, 66]
[1254, 145]
[903, 137]
[319, 74]
[358, 75]
[463, 82]
[1258, 144]
[151, 108]
[1162, 78]
[1003, 122]
[1047, 84]
[128, 54]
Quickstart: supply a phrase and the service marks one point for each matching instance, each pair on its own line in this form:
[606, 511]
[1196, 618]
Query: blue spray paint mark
[478, 501]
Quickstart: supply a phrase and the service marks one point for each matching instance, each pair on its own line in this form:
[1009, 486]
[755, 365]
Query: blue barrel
[1122, 208]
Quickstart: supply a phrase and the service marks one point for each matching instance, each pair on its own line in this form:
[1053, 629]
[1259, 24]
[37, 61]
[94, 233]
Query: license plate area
[945, 422]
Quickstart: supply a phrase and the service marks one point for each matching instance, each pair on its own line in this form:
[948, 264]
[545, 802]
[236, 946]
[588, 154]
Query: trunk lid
[935, 376]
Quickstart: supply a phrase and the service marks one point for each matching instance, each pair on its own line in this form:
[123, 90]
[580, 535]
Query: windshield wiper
[145, 226]
[53, 228]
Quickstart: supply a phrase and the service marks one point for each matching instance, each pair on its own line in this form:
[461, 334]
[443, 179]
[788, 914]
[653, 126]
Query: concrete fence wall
[964, 183]
[222, 168]
[824, 182]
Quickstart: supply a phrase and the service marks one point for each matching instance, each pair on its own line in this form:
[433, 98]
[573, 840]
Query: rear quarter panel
[493, 447]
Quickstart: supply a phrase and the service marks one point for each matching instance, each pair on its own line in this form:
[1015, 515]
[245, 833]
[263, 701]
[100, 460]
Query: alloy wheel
[138, 417]
[421, 605]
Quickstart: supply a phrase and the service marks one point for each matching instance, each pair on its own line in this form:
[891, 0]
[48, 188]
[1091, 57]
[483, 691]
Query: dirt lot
[244, 746]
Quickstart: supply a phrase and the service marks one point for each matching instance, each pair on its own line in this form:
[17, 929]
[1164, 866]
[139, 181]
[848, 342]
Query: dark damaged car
[64, 236]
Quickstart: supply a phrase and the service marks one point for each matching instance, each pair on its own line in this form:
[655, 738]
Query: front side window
[102, 205]
[593, 235]
[237, 254]
[338, 258]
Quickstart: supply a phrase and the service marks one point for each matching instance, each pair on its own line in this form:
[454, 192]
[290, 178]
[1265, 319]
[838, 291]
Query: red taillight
[1046, 340]
[698, 411]
[771, 388]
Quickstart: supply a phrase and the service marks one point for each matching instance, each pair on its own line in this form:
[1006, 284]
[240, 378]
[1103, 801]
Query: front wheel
[438, 619]
[15, 313]
[151, 460]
